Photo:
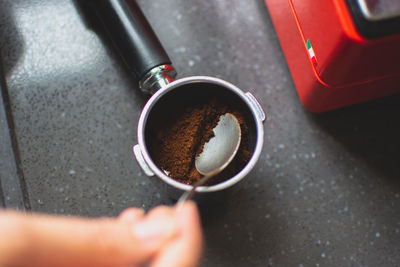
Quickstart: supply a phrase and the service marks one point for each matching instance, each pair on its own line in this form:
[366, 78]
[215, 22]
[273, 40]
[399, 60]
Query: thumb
[151, 233]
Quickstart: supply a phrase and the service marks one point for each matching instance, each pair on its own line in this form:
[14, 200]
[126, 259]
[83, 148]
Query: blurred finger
[158, 222]
[131, 214]
[161, 212]
[185, 250]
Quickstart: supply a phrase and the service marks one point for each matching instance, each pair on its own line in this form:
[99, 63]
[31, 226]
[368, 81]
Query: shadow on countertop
[369, 134]
[11, 42]
[93, 23]
[370, 131]
[11, 51]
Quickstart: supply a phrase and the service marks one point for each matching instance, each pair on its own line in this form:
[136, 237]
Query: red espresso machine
[339, 52]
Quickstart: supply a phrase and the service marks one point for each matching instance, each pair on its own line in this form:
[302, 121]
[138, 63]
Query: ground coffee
[180, 137]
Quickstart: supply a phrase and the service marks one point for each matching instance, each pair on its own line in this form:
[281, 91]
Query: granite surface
[325, 192]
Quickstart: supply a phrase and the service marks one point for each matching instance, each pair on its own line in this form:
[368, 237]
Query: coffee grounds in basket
[180, 137]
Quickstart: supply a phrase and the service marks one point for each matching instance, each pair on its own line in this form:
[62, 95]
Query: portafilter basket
[136, 42]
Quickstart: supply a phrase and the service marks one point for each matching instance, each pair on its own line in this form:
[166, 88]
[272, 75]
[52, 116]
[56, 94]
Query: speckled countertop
[325, 192]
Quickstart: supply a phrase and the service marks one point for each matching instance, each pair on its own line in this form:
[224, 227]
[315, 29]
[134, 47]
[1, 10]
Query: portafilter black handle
[136, 42]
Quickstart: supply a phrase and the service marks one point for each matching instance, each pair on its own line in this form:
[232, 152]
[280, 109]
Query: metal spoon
[218, 152]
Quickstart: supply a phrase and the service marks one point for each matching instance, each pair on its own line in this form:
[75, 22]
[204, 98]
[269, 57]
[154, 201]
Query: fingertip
[131, 214]
[161, 211]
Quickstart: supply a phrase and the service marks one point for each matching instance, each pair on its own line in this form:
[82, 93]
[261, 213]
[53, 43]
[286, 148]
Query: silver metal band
[157, 78]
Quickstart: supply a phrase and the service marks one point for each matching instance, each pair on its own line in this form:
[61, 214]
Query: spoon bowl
[218, 152]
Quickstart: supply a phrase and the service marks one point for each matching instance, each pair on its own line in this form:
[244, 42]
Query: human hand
[165, 236]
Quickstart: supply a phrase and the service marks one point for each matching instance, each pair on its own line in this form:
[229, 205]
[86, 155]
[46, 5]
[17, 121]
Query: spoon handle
[189, 194]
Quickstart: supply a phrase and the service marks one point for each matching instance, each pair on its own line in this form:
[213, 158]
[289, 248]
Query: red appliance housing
[351, 64]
